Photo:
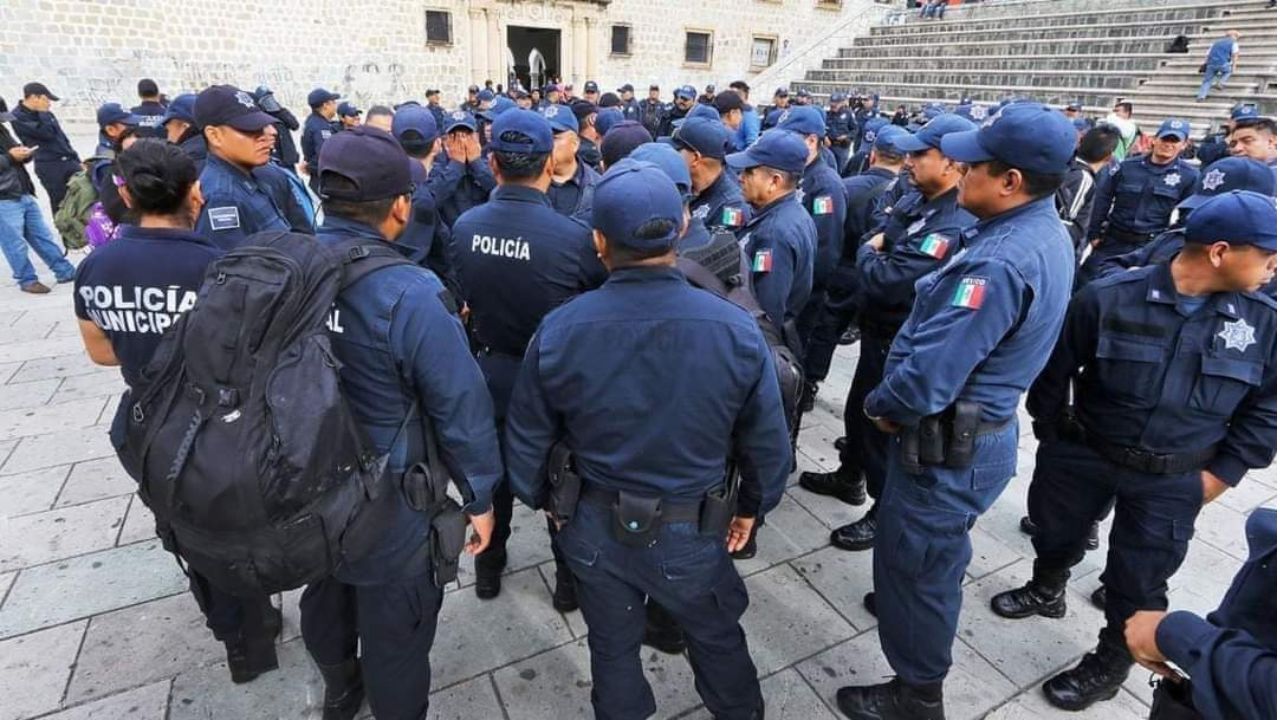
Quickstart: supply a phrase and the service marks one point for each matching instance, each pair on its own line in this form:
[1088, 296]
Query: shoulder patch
[763, 261]
[823, 205]
[970, 293]
[224, 218]
[731, 217]
[935, 245]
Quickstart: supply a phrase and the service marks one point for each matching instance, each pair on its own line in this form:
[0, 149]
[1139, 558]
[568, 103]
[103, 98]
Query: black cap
[609, 100]
[229, 105]
[583, 109]
[37, 89]
[590, 86]
[728, 101]
[654, 87]
[473, 90]
[147, 88]
[370, 159]
[432, 91]
[627, 88]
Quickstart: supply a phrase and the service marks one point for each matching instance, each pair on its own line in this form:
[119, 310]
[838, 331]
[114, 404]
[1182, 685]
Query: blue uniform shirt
[394, 336]
[1155, 379]
[653, 384]
[315, 130]
[238, 204]
[1221, 52]
[458, 187]
[1162, 249]
[572, 198]
[710, 204]
[425, 239]
[1138, 196]
[517, 259]
[983, 325]
[841, 127]
[862, 193]
[780, 241]
[822, 194]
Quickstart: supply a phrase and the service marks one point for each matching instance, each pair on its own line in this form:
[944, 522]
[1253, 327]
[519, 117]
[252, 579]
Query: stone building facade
[387, 51]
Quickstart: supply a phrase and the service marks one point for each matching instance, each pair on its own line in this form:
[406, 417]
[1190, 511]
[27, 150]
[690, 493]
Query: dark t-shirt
[150, 113]
[136, 286]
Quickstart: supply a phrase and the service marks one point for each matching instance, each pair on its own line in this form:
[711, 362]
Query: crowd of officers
[976, 254]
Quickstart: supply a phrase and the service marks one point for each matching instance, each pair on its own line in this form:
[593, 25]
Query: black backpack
[239, 435]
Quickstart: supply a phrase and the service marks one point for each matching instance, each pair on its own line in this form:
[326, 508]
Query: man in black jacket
[1074, 198]
[21, 222]
[38, 129]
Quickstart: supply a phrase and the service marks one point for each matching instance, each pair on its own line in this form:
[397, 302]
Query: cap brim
[53, 97]
[1194, 201]
[964, 147]
[454, 126]
[909, 144]
[251, 122]
[741, 160]
[1177, 136]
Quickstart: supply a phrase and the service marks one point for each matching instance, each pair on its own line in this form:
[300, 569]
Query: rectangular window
[620, 40]
[439, 31]
[697, 48]
[764, 51]
[829, 4]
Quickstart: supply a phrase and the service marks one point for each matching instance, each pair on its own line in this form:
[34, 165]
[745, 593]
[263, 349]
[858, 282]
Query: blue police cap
[709, 138]
[930, 136]
[933, 110]
[1080, 124]
[501, 104]
[417, 119]
[1244, 111]
[1028, 136]
[621, 139]
[370, 159]
[109, 113]
[1239, 217]
[346, 109]
[688, 92]
[320, 96]
[590, 86]
[521, 131]
[838, 98]
[459, 119]
[1174, 127]
[485, 95]
[1228, 175]
[231, 106]
[776, 149]
[632, 195]
[666, 159]
[871, 127]
[805, 119]
[886, 138]
[606, 119]
[972, 113]
[561, 118]
[182, 107]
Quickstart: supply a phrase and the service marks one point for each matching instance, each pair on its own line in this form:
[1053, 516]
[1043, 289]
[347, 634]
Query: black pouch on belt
[635, 519]
[965, 418]
[932, 440]
[719, 505]
[910, 439]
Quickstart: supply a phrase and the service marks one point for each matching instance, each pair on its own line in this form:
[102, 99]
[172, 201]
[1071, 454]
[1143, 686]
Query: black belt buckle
[636, 519]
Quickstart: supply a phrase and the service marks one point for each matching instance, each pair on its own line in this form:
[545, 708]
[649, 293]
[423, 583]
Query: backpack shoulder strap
[360, 259]
[701, 276]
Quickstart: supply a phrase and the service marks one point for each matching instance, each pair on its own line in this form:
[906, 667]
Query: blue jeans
[21, 224]
[1212, 74]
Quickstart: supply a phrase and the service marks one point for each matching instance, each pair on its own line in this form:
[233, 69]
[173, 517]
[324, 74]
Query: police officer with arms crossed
[402, 352]
[718, 200]
[518, 259]
[1174, 377]
[244, 193]
[159, 256]
[316, 129]
[653, 517]
[979, 331]
[460, 179]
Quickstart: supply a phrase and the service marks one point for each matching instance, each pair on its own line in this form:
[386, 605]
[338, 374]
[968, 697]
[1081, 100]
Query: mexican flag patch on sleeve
[970, 293]
[935, 245]
[823, 205]
[763, 261]
[731, 217]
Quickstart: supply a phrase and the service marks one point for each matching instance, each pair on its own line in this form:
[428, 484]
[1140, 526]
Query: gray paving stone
[141, 644]
[288, 605]
[989, 553]
[574, 620]
[6, 580]
[149, 702]
[27, 395]
[475, 636]
[39, 348]
[50, 418]
[831, 512]
[33, 491]
[842, 578]
[1031, 705]
[786, 695]
[473, 699]
[94, 480]
[56, 534]
[1220, 526]
[1028, 649]
[7, 370]
[293, 692]
[972, 688]
[68, 364]
[41, 451]
[91, 385]
[139, 524]
[34, 669]
[789, 531]
[87, 585]
[788, 620]
[1246, 496]
[1203, 579]
[1266, 476]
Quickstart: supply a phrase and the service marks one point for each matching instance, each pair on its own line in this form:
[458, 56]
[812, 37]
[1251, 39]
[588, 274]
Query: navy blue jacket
[197, 149]
[1155, 379]
[574, 197]
[709, 205]
[42, 129]
[1231, 655]
[862, 194]
[841, 127]
[1162, 249]
[822, 194]
[425, 239]
[315, 130]
[653, 384]
[458, 187]
[398, 343]
[780, 241]
[1138, 196]
[983, 325]
[238, 204]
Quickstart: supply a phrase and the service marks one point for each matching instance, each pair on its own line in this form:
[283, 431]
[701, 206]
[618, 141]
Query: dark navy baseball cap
[668, 161]
[930, 136]
[590, 86]
[1025, 135]
[621, 140]
[699, 112]
[231, 106]
[417, 119]
[485, 95]
[521, 131]
[606, 119]
[501, 104]
[1173, 127]
[346, 109]
[837, 98]
[1244, 111]
[688, 92]
[1229, 175]
[776, 149]
[709, 138]
[320, 96]
[627, 88]
[459, 119]
[805, 119]
[110, 113]
[371, 159]
[887, 136]
[781, 92]
[1239, 217]
[632, 195]
[872, 126]
[561, 118]
[181, 108]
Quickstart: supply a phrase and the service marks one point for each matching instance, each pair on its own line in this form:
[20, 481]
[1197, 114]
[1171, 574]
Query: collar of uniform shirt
[520, 193]
[1040, 203]
[1160, 289]
[245, 176]
[340, 226]
[647, 273]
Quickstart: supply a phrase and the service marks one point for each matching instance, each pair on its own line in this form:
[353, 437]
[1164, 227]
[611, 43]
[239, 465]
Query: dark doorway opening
[535, 54]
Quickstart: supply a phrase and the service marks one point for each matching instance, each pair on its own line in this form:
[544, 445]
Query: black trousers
[54, 176]
[866, 449]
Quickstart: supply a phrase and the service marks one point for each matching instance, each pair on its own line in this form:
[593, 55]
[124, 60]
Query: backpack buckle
[357, 252]
[228, 397]
[137, 414]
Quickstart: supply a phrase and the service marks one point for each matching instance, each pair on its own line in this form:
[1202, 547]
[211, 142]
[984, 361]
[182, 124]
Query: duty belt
[1143, 461]
[1131, 238]
[669, 511]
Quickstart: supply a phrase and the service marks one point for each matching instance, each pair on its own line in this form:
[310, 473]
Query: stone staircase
[1092, 52]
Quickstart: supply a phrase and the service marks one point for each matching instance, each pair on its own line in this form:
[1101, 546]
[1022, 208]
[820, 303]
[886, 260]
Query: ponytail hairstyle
[159, 176]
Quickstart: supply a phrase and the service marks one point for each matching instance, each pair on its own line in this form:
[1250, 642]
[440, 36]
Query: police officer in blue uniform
[404, 357]
[980, 329]
[572, 181]
[1134, 202]
[1229, 657]
[653, 514]
[517, 259]
[244, 193]
[316, 129]
[841, 129]
[717, 200]
[460, 179]
[37, 127]
[686, 97]
[924, 232]
[179, 126]
[158, 256]
[869, 128]
[426, 238]
[1174, 376]
[285, 153]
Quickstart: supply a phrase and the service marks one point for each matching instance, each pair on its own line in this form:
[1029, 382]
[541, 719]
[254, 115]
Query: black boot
[841, 443]
[1098, 676]
[1092, 542]
[253, 651]
[809, 394]
[343, 689]
[1045, 595]
[565, 596]
[850, 336]
[842, 484]
[894, 700]
[1027, 527]
[869, 602]
[857, 535]
[489, 569]
[1099, 598]
[661, 632]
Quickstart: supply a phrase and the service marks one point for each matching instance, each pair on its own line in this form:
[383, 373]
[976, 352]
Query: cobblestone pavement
[95, 621]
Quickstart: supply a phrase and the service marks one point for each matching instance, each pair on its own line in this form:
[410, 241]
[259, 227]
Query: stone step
[1146, 62]
[1050, 8]
[1150, 43]
[1210, 16]
[1177, 26]
[873, 75]
[1196, 33]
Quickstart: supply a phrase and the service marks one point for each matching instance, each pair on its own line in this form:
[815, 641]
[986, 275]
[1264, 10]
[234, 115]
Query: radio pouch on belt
[964, 431]
[720, 503]
[932, 444]
[426, 489]
[910, 439]
[566, 483]
[636, 519]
